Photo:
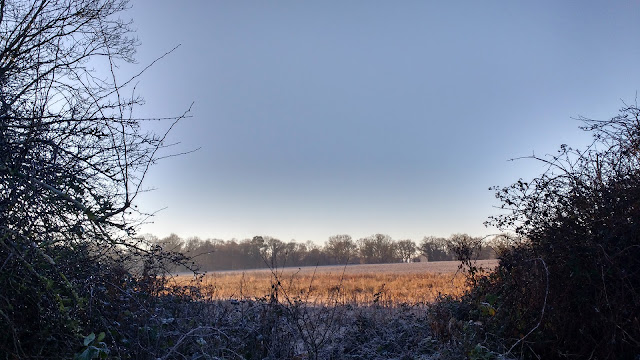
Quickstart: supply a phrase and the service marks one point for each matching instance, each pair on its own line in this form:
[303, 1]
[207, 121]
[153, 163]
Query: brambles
[569, 287]
[72, 161]
[258, 329]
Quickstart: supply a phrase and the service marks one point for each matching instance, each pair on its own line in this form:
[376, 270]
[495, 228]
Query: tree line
[266, 251]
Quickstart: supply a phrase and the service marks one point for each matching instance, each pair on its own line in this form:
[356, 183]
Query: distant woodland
[265, 251]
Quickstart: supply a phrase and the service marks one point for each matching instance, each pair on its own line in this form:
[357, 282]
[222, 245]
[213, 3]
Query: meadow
[362, 284]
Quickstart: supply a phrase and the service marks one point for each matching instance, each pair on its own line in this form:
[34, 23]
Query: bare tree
[377, 249]
[72, 159]
[341, 249]
[435, 249]
[406, 249]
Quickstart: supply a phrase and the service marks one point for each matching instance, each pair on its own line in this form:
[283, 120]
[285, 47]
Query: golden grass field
[388, 284]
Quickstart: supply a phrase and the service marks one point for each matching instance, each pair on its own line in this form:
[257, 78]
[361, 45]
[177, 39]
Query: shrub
[72, 161]
[571, 287]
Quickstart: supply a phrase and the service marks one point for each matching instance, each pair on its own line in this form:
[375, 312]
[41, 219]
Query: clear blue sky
[362, 117]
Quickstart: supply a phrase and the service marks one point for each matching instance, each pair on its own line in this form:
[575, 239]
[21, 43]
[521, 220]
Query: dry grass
[387, 284]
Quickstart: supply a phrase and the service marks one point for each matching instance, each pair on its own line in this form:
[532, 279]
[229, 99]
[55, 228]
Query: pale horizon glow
[317, 119]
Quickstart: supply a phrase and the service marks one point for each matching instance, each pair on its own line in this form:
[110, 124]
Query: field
[387, 284]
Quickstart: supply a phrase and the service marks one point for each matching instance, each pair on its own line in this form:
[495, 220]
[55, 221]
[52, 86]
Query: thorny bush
[72, 161]
[570, 287]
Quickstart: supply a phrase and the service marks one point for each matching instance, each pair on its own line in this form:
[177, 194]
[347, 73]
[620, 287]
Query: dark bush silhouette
[571, 287]
[72, 161]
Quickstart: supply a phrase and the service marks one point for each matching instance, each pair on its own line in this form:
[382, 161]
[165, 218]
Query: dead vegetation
[388, 284]
[350, 312]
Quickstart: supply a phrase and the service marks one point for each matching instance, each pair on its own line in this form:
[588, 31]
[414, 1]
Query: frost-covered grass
[392, 268]
[189, 320]
[233, 329]
[305, 315]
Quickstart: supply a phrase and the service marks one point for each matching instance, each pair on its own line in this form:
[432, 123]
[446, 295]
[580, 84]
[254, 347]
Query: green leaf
[86, 355]
[101, 336]
[89, 338]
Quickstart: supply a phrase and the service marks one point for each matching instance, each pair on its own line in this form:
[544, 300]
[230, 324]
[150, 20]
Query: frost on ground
[267, 329]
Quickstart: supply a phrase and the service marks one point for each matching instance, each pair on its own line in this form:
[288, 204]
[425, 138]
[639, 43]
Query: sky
[359, 117]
